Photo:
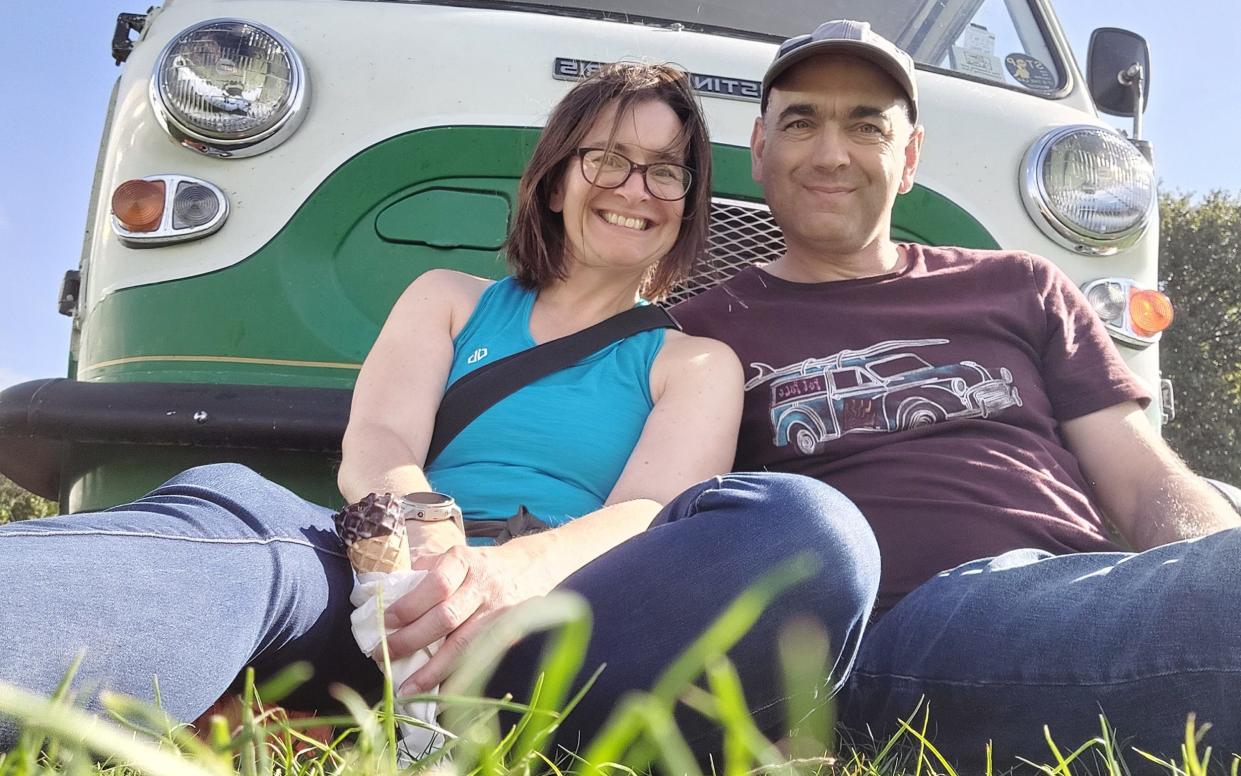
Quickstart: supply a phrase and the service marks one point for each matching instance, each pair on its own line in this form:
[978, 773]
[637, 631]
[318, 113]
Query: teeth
[619, 220]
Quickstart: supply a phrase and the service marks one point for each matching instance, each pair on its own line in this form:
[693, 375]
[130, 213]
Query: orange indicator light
[1150, 312]
[139, 205]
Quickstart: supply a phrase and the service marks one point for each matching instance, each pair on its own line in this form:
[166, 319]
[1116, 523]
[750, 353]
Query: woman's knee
[226, 476]
[232, 490]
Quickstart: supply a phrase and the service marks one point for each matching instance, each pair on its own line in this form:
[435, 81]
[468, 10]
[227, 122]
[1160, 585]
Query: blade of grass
[75, 725]
[922, 740]
[804, 652]
[621, 731]
[562, 660]
[625, 723]
[559, 610]
[556, 609]
[927, 746]
[743, 741]
[674, 752]
[369, 731]
[388, 707]
[285, 681]
[730, 626]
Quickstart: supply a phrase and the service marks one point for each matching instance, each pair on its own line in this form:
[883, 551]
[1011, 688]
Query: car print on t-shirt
[883, 388]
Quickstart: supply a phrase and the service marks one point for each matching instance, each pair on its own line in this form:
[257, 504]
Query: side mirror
[1118, 71]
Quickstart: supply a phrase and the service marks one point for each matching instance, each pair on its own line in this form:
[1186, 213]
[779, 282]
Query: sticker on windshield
[1030, 72]
[975, 55]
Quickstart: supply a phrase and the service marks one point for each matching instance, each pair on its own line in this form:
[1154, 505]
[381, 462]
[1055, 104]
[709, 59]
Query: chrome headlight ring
[1119, 189]
[205, 91]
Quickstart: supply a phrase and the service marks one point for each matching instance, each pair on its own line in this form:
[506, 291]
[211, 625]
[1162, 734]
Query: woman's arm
[690, 435]
[398, 392]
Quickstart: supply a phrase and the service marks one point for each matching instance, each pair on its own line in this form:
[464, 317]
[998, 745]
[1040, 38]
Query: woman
[613, 205]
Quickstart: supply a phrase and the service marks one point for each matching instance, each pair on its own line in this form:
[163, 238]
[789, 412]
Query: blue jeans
[219, 569]
[1002, 646]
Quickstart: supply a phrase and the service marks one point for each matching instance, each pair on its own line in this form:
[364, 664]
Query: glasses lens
[608, 170]
[668, 181]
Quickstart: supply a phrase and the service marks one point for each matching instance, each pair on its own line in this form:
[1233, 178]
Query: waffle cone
[381, 553]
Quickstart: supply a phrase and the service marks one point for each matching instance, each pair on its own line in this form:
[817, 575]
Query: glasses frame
[580, 153]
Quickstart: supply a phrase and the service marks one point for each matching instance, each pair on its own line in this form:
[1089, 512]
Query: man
[1003, 601]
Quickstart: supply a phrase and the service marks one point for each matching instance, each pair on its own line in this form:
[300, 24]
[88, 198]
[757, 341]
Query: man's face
[832, 151]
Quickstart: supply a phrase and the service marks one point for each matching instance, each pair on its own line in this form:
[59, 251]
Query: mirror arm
[1134, 77]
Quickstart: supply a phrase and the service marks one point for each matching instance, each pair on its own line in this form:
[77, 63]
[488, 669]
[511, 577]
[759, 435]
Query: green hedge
[1200, 262]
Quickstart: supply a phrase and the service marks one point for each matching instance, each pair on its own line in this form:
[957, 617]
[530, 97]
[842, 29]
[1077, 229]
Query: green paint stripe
[216, 360]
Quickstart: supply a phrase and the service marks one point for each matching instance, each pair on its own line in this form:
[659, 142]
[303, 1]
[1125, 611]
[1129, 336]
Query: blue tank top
[559, 444]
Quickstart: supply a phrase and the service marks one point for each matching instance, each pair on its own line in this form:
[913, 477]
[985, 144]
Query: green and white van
[274, 172]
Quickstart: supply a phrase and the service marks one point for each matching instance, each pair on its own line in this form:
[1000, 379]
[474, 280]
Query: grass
[641, 735]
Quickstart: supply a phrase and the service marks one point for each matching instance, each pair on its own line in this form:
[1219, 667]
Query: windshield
[999, 41]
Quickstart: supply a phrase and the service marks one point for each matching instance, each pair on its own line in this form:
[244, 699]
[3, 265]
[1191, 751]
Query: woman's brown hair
[536, 243]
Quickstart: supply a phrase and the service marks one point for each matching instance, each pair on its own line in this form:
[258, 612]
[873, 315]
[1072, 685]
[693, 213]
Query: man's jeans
[1002, 647]
[219, 569]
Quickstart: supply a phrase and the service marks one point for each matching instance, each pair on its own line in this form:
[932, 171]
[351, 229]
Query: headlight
[1088, 189]
[229, 88]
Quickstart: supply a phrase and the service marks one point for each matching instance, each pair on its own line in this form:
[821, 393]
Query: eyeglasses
[610, 169]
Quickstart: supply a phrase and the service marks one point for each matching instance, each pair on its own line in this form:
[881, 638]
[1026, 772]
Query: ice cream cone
[381, 553]
[373, 531]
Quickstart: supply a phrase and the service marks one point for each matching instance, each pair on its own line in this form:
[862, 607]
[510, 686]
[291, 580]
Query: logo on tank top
[478, 355]
[884, 388]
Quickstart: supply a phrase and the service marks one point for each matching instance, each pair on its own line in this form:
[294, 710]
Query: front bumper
[41, 419]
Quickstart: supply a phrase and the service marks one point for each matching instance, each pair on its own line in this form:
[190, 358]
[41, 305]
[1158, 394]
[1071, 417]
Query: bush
[17, 504]
[1200, 257]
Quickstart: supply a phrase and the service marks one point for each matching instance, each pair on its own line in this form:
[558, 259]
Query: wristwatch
[431, 507]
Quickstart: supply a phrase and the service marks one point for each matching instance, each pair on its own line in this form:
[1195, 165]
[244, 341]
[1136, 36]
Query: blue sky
[59, 73]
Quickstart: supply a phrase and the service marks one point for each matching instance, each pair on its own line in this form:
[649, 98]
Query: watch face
[429, 498]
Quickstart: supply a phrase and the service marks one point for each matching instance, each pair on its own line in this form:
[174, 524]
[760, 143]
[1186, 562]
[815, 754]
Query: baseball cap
[844, 36]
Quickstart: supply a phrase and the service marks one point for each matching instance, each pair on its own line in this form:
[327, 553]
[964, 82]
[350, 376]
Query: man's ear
[758, 139]
[913, 154]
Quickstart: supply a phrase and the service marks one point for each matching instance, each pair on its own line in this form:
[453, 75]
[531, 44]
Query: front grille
[741, 234]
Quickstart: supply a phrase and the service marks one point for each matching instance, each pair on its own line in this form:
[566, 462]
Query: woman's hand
[426, 540]
[465, 587]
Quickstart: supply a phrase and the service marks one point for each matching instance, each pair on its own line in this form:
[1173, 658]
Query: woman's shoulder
[450, 282]
[446, 291]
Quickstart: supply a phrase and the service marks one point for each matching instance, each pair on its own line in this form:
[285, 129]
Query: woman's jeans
[219, 569]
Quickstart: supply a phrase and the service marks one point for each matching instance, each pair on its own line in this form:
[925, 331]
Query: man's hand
[465, 587]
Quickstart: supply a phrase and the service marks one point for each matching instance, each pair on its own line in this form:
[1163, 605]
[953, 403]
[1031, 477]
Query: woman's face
[625, 227]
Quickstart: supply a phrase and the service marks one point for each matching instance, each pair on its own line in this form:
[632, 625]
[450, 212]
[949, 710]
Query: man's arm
[1149, 494]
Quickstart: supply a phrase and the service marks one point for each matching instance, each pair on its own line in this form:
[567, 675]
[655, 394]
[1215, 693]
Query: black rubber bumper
[38, 419]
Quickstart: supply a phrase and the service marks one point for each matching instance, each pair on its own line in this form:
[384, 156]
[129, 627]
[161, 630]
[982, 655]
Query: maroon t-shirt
[931, 397]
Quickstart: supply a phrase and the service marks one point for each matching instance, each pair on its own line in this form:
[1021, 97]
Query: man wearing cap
[973, 407]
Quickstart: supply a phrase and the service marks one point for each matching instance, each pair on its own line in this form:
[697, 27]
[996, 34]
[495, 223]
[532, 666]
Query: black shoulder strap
[470, 396]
